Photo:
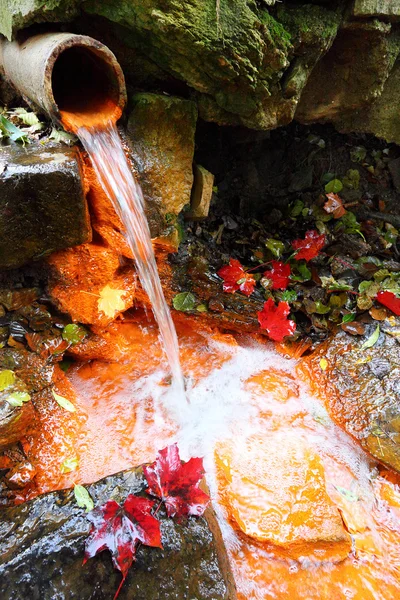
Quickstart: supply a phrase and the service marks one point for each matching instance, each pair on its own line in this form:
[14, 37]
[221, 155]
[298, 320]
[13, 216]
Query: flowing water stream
[112, 168]
[304, 512]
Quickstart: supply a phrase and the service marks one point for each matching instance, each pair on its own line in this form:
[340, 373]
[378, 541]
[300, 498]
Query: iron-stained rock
[42, 547]
[361, 388]
[42, 202]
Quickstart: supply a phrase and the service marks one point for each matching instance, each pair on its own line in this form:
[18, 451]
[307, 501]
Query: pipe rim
[97, 48]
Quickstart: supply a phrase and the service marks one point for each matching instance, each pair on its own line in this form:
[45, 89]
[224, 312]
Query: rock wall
[253, 63]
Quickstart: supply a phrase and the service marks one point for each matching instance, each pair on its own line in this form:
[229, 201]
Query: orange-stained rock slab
[274, 489]
[89, 283]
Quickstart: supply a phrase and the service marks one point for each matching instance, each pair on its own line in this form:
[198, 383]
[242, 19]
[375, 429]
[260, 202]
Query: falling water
[113, 171]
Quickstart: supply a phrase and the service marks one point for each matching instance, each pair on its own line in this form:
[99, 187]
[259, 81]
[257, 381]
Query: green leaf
[201, 308]
[321, 309]
[83, 498]
[63, 402]
[334, 187]
[18, 398]
[288, 296]
[276, 247]
[304, 272]
[73, 333]
[348, 318]
[347, 494]
[27, 118]
[296, 208]
[7, 379]
[69, 465]
[62, 136]
[371, 341]
[352, 179]
[358, 154]
[184, 301]
[327, 177]
[9, 130]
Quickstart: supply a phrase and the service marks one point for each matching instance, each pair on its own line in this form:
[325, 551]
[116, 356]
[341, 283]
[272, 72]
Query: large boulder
[161, 130]
[246, 64]
[360, 387]
[384, 9]
[42, 547]
[381, 118]
[43, 202]
[351, 76]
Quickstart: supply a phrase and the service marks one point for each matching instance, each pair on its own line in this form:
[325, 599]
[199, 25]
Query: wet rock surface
[42, 206]
[42, 546]
[161, 130]
[361, 388]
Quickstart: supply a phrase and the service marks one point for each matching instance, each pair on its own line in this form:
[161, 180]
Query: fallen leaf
[83, 498]
[274, 320]
[63, 402]
[323, 363]
[379, 314]
[235, 278]
[309, 247]
[371, 341]
[18, 398]
[353, 327]
[279, 275]
[73, 333]
[177, 483]
[7, 379]
[335, 206]
[69, 465]
[110, 302]
[119, 529]
[184, 301]
[334, 186]
[389, 300]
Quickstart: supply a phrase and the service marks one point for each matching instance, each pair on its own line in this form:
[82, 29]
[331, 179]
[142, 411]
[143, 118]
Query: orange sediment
[307, 521]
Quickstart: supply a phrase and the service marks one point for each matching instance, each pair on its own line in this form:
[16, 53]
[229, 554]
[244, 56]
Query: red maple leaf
[279, 275]
[119, 529]
[309, 247]
[235, 278]
[177, 483]
[274, 320]
[389, 300]
[335, 206]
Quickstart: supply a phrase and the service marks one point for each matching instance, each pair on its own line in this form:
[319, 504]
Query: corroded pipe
[73, 78]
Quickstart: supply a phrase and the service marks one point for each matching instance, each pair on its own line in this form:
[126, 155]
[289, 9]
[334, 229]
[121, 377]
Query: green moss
[309, 24]
[276, 29]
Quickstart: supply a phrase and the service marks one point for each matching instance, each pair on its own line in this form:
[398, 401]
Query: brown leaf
[335, 206]
[354, 328]
[379, 314]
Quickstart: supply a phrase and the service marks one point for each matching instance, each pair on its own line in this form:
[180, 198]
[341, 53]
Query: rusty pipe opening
[75, 79]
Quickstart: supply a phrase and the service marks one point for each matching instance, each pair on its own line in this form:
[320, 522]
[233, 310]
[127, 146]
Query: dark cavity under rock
[42, 547]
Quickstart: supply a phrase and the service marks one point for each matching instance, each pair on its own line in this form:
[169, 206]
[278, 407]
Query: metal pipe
[75, 79]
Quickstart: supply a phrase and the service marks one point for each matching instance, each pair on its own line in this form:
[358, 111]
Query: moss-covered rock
[233, 54]
[161, 130]
[17, 14]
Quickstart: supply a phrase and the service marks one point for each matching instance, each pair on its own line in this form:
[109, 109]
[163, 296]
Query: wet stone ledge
[42, 548]
[42, 202]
